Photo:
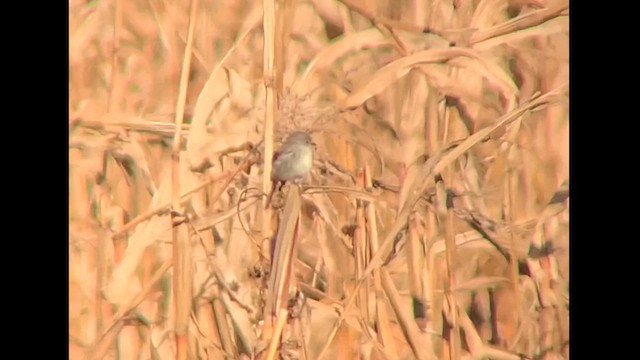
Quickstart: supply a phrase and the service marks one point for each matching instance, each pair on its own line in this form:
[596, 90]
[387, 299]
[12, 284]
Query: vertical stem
[451, 251]
[446, 216]
[384, 334]
[101, 270]
[182, 281]
[283, 314]
[510, 187]
[117, 27]
[271, 107]
[359, 252]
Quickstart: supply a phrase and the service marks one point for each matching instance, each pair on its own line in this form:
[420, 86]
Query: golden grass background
[435, 221]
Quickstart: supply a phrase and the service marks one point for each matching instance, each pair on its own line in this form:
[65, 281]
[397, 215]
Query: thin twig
[230, 174]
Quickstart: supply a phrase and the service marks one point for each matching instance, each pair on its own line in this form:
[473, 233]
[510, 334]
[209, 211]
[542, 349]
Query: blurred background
[442, 146]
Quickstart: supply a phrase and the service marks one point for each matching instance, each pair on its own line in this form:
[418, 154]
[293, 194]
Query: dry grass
[435, 221]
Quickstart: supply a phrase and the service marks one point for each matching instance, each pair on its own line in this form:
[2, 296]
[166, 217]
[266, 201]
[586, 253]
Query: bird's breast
[306, 159]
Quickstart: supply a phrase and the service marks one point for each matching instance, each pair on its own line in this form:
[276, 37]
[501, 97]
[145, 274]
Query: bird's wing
[281, 155]
[281, 159]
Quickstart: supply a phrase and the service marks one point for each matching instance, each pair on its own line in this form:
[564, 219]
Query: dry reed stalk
[282, 32]
[452, 339]
[385, 26]
[222, 328]
[117, 29]
[182, 257]
[409, 328]
[399, 68]
[330, 257]
[271, 111]
[360, 247]
[415, 253]
[208, 349]
[370, 38]
[542, 263]
[209, 314]
[282, 316]
[382, 318]
[246, 339]
[346, 339]
[477, 348]
[239, 249]
[347, 336]
[338, 324]
[132, 123]
[435, 125]
[101, 277]
[377, 19]
[524, 21]
[210, 330]
[109, 216]
[511, 189]
[128, 341]
[108, 339]
[108, 334]
[281, 273]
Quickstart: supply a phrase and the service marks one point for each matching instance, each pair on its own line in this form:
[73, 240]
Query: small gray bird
[292, 161]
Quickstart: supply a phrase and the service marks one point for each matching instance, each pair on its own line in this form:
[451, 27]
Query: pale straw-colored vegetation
[434, 224]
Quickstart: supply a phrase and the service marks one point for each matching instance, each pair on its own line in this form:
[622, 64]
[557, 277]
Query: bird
[292, 161]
